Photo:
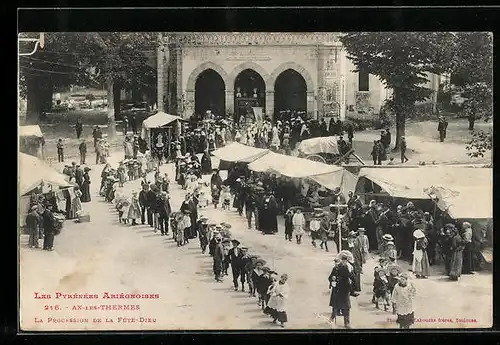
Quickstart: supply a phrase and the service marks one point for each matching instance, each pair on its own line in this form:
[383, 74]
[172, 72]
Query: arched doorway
[249, 91]
[210, 93]
[290, 92]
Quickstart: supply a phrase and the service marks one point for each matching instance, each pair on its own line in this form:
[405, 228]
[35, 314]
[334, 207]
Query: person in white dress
[276, 307]
[402, 298]
[299, 222]
[275, 140]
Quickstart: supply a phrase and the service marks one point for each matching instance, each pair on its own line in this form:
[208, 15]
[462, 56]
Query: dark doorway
[249, 91]
[290, 92]
[210, 93]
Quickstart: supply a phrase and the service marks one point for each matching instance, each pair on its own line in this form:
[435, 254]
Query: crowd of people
[395, 234]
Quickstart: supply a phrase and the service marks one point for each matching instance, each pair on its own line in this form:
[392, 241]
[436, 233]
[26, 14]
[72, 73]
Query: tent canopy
[291, 166]
[340, 178]
[464, 202]
[160, 119]
[33, 172]
[463, 192]
[30, 131]
[319, 145]
[236, 152]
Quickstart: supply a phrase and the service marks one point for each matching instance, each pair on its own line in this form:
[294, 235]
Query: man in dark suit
[234, 257]
[143, 201]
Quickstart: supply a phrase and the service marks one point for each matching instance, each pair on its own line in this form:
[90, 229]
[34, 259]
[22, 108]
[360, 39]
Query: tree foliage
[86, 59]
[402, 61]
[480, 143]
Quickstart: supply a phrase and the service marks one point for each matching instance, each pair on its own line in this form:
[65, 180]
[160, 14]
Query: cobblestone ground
[105, 256]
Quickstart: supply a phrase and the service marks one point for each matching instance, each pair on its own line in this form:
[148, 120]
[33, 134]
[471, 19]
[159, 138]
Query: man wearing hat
[235, 259]
[218, 258]
[48, 221]
[79, 175]
[215, 236]
[402, 148]
[203, 233]
[33, 223]
[165, 210]
[340, 298]
[442, 126]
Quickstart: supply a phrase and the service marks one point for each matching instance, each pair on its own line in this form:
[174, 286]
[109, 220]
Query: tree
[58, 64]
[87, 59]
[402, 61]
[472, 76]
[120, 62]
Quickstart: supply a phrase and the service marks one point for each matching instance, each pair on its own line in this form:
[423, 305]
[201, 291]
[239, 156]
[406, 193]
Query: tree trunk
[400, 118]
[400, 128]
[111, 108]
[33, 106]
[117, 90]
[46, 93]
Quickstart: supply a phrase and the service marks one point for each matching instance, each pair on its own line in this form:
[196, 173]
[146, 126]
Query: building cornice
[253, 39]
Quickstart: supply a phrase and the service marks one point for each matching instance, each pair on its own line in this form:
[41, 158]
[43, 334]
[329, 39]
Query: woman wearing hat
[420, 265]
[86, 186]
[402, 297]
[206, 163]
[134, 211]
[315, 225]
[76, 204]
[456, 248]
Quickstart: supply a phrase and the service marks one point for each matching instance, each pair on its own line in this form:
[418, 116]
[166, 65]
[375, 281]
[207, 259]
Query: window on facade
[363, 80]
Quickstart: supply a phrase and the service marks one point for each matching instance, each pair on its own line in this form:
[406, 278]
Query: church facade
[229, 72]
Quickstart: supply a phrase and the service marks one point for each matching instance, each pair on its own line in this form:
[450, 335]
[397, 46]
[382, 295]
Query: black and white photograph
[255, 180]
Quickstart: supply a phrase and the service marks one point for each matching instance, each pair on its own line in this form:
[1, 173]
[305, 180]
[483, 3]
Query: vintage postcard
[255, 180]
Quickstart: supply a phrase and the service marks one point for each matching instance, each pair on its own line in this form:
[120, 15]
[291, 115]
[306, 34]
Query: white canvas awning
[464, 202]
[341, 178]
[33, 172]
[319, 145]
[463, 192]
[30, 131]
[160, 119]
[236, 152]
[291, 166]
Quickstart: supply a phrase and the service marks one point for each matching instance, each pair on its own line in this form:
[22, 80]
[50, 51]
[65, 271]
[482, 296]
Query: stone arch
[296, 67]
[203, 67]
[248, 65]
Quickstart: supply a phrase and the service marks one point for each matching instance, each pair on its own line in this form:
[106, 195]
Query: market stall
[31, 141]
[471, 203]
[236, 152]
[46, 180]
[160, 128]
[386, 184]
[290, 166]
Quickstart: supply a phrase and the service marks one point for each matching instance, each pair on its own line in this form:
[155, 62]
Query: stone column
[321, 81]
[229, 102]
[178, 76]
[310, 103]
[188, 103]
[270, 104]
[342, 86]
[160, 74]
